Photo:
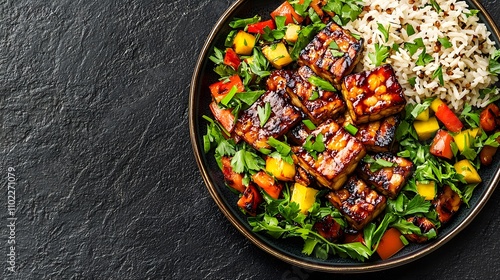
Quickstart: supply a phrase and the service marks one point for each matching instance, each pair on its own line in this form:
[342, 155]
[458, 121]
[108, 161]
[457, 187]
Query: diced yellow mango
[470, 174]
[427, 190]
[426, 129]
[435, 104]
[243, 43]
[277, 54]
[304, 196]
[280, 169]
[464, 138]
[423, 116]
[292, 32]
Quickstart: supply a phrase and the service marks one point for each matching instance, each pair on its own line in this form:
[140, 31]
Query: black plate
[285, 249]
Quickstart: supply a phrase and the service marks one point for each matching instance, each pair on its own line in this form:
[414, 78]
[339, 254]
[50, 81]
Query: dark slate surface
[94, 127]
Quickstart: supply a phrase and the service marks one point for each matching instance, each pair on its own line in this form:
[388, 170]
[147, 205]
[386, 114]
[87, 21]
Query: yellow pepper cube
[243, 43]
[426, 129]
[280, 169]
[277, 54]
[435, 104]
[304, 196]
[426, 190]
[292, 32]
[423, 116]
[470, 174]
[464, 138]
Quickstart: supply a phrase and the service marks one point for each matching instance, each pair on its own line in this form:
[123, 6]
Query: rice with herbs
[464, 64]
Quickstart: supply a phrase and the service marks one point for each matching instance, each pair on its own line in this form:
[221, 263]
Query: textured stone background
[93, 98]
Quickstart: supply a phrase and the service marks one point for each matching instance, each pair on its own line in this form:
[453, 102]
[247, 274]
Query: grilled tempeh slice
[373, 95]
[379, 136]
[298, 134]
[318, 104]
[332, 54]
[283, 117]
[339, 159]
[446, 203]
[387, 180]
[357, 202]
[278, 80]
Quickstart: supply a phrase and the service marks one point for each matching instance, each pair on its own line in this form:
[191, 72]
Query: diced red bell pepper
[232, 59]
[250, 200]
[232, 179]
[354, 237]
[441, 145]
[489, 118]
[221, 88]
[390, 243]
[287, 10]
[446, 116]
[259, 26]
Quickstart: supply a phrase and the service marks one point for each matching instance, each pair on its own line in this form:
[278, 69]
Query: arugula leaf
[246, 160]
[385, 31]
[316, 146]
[436, 6]
[377, 164]
[445, 42]
[494, 67]
[321, 83]
[419, 108]
[424, 58]
[472, 12]
[439, 74]
[410, 30]
[217, 57]
[264, 113]
[412, 81]
[380, 55]
[469, 116]
[243, 22]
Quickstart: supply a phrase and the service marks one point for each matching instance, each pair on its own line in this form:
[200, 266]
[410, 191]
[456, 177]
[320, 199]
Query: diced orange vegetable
[232, 59]
[446, 115]
[390, 244]
[224, 116]
[354, 237]
[489, 118]
[232, 179]
[287, 10]
[441, 145]
[259, 26]
[268, 184]
[220, 89]
[250, 200]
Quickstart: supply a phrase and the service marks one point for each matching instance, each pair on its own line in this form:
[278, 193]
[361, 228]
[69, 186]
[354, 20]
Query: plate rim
[287, 257]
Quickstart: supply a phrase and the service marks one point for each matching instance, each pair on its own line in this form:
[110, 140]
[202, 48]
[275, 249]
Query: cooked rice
[464, 65]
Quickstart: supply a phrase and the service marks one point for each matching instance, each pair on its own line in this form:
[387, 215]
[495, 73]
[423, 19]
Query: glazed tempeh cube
[379, 136]
[278, 80]
[283, 117]
[318, 104]
[387, 180]
[332, 54]
[357, 202]
[339, 159]
[298, 134]
[373, 95]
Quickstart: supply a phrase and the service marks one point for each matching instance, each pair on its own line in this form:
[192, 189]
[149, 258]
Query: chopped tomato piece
[221, 88]
[390, 243]
[232, 179]
[250, 200]
[259, 26]
[268, 184]
[446, 116]
[287, 10]
[232, 59]
[489, 118]
[441, 145]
